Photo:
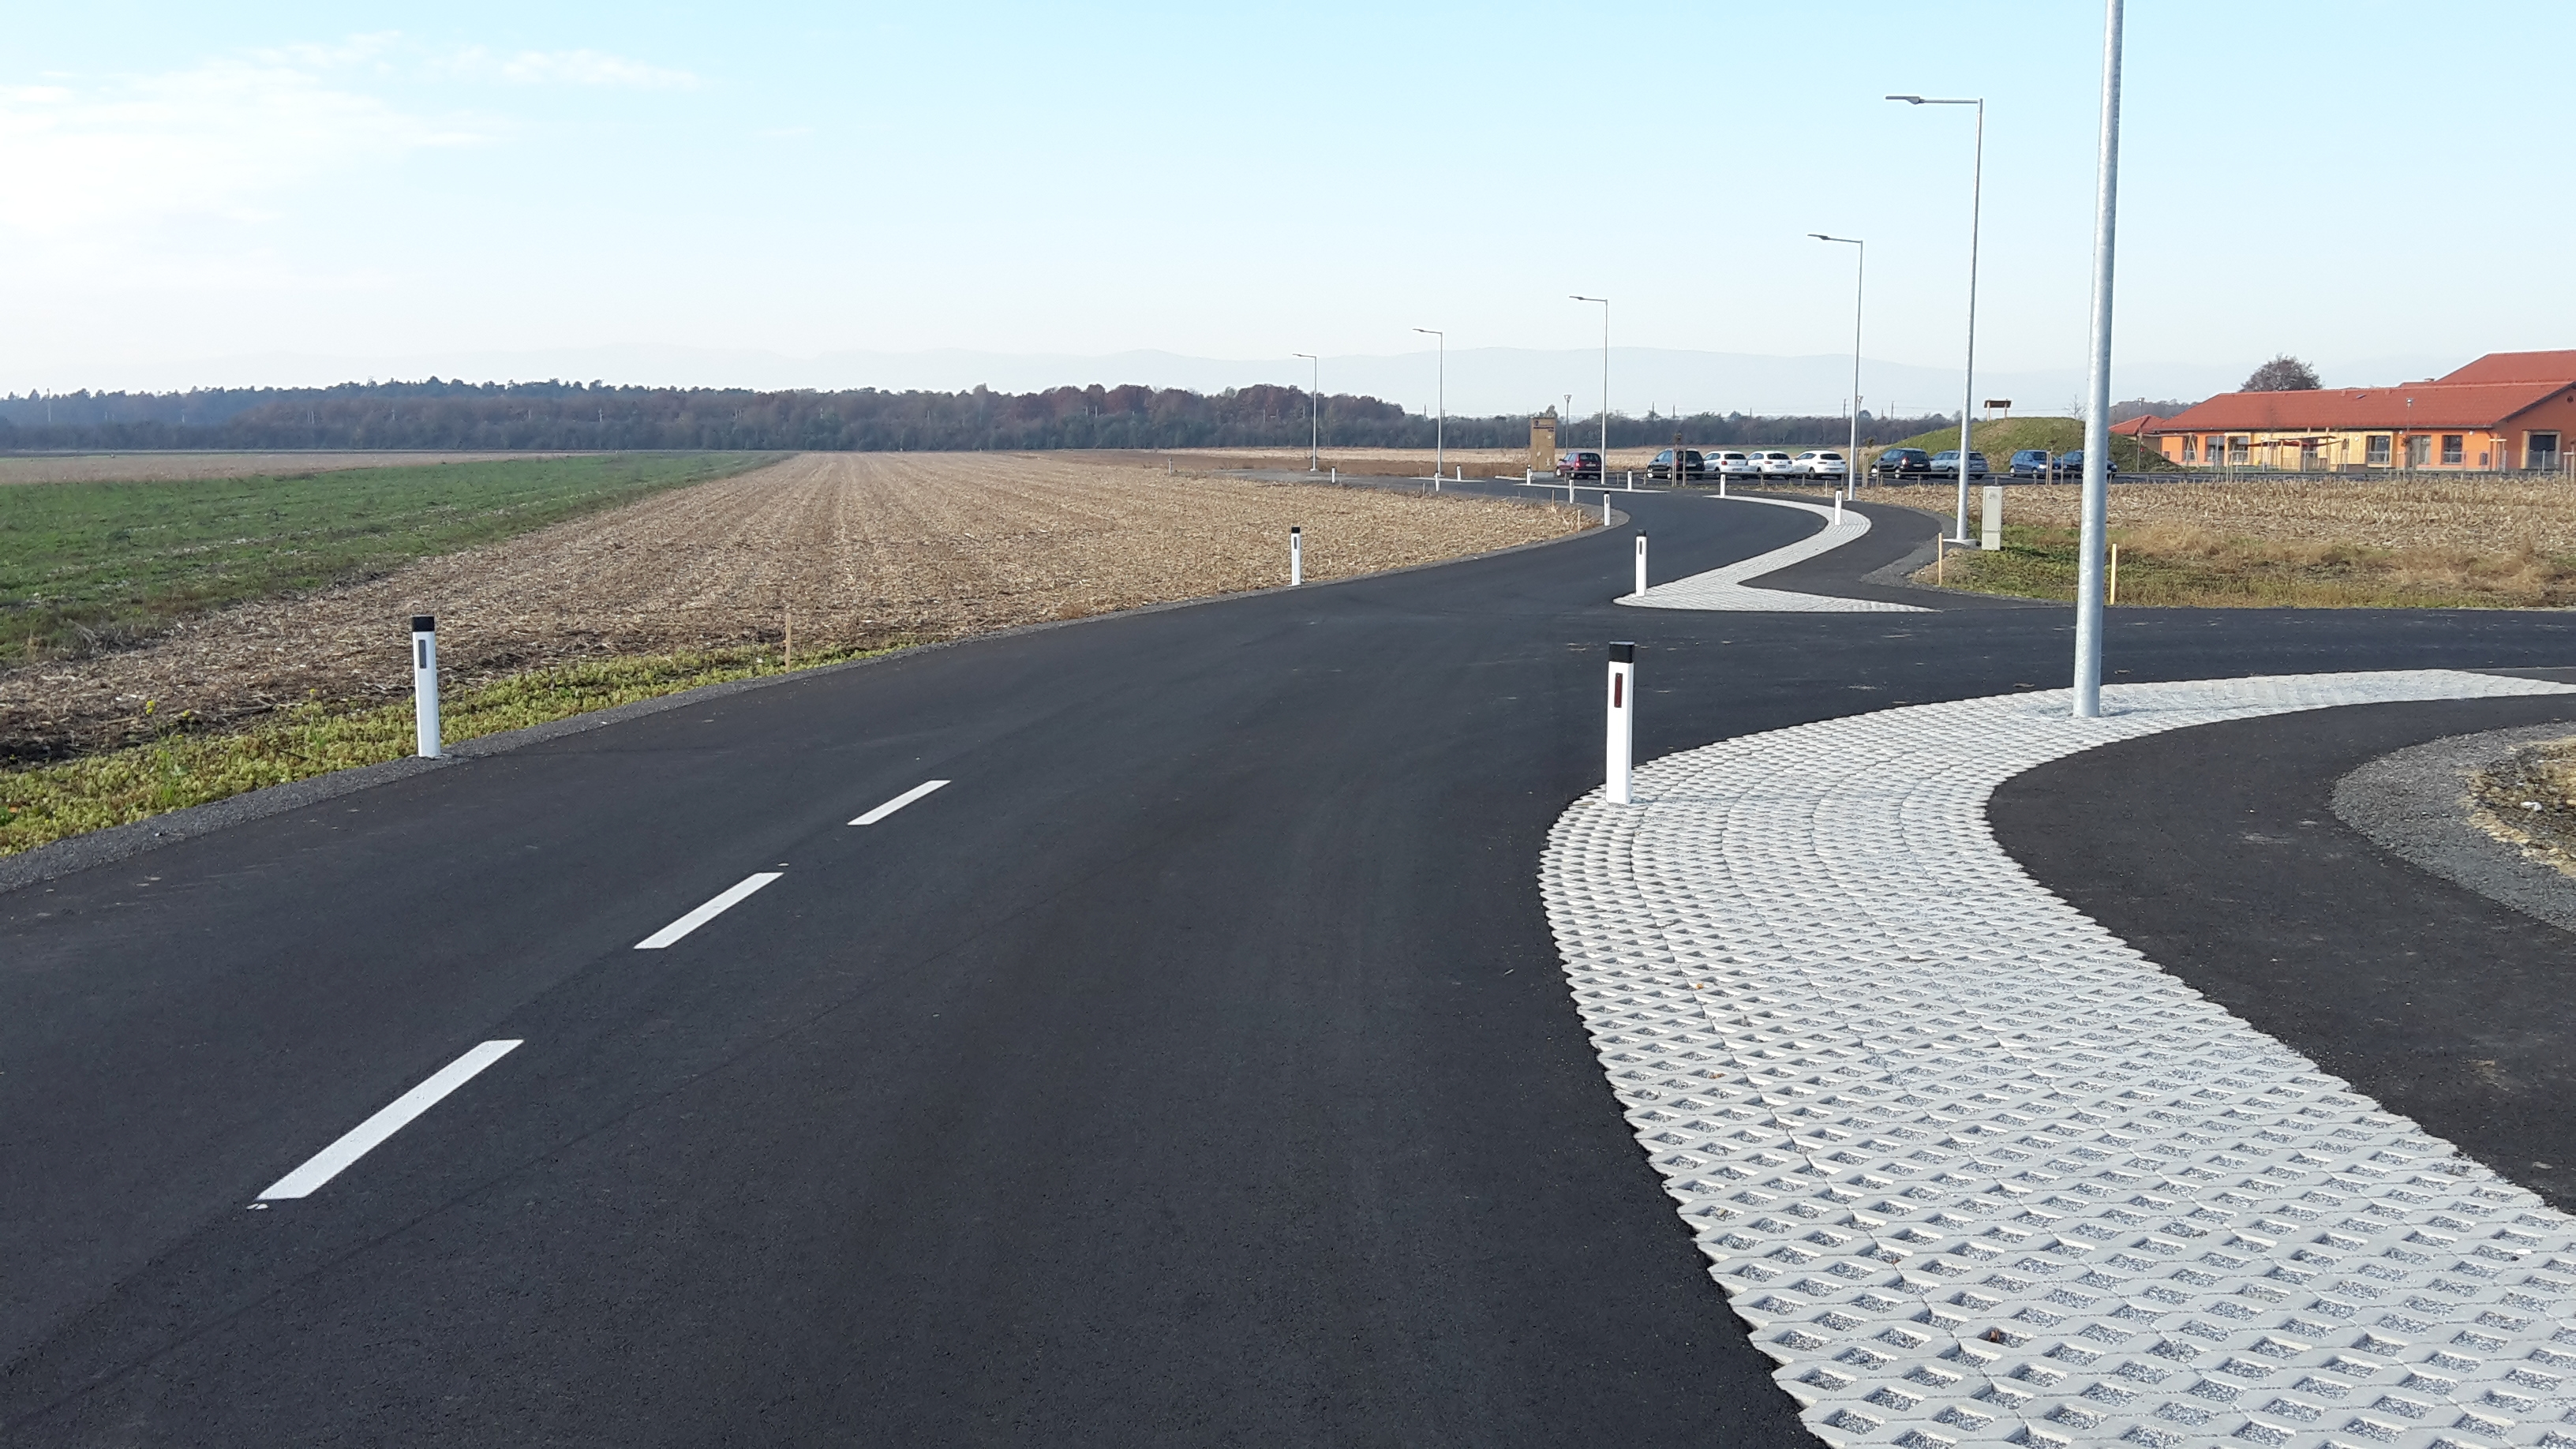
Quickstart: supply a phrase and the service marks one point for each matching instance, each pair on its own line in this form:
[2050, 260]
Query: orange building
[2507, 410]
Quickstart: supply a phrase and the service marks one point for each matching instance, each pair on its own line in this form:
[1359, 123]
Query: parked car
[2031, 463]
[1693, 465]
[1732, 464]
[1771, 463]
[1902, 463]
[1947, 461]
[1578, 465]
[1820, 463]
[2071, 465]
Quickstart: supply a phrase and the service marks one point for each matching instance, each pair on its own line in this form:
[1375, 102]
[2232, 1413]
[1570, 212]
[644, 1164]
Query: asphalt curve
[2443, 1004]
[1195, 1068]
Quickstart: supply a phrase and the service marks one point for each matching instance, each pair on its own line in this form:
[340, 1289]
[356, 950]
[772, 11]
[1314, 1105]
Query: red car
[1578, 465]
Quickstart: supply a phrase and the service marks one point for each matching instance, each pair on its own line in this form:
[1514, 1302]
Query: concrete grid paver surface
[1976, 1171]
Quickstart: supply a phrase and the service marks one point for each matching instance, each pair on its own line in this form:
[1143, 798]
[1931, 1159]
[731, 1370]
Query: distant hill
[549, 416]
[2003, 437]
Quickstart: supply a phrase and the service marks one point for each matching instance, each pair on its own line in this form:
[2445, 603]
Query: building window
[2376, 454]
[2419, 451]
[2190, 448]
[2452, 454]
[2240, 451]
[2542, 452]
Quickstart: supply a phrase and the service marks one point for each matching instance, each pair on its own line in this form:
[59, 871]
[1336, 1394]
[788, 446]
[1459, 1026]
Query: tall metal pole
[1315, 397]
[1605, 389]
[1440, 437]
[2097, 416]
[1860, 274]
[1976, 200]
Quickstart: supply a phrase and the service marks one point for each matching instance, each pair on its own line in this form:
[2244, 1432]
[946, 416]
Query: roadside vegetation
[50, 802]
[2324, 542]
[91, 565]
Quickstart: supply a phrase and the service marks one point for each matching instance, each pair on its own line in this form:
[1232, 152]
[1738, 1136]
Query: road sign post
[424, 683]
[1623, 711]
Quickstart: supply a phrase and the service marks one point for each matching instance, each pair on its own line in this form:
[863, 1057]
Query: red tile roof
[2137, 426]
[2422, 405]
[2559, 367]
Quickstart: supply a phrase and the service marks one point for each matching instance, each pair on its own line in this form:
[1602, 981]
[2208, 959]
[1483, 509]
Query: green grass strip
[2041, 563]
[84, 564]
[46, 803]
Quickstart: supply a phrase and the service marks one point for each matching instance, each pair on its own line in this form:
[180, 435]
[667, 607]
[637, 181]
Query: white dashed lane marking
[367, 1136]
[898, 802]
[733, 896]
[1724, 589]
[1978, 1172]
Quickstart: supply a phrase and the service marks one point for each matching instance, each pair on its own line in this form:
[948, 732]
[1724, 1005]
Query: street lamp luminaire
[1440, 437]
[1315, 444]
[1976, 192]
[1605, 386]
[1860, 272]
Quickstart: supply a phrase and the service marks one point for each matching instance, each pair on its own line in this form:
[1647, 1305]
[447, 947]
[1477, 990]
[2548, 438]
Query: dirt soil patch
[177, 467]
[2529, 800]
[854, 551]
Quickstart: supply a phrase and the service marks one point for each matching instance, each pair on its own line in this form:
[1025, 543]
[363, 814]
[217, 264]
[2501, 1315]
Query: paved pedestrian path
[1975, 1171]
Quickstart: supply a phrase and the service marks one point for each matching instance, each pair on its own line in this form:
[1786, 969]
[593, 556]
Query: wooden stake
[2111, 593]
[1940, 556]
[787, 656]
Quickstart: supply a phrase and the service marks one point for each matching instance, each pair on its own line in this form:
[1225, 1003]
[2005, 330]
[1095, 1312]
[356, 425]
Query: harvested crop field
[1358, 462]
[179, 467]
[2323, 542]
[857, 550]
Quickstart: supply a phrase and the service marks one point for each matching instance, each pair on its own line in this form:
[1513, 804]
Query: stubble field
[853, 551]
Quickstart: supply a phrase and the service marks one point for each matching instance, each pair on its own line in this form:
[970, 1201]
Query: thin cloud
[566, 67]
[215, 139]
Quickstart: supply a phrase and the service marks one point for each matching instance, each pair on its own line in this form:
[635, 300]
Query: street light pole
[1315, 445]
[1440, 437]
[1976, 198]
[1860, 272]
[1605, 388]
[2097, 417]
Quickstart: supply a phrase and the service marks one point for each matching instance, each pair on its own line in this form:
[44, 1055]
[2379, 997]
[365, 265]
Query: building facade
[2505, 411]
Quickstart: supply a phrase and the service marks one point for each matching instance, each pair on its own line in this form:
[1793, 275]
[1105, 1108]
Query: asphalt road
[1194, 1068]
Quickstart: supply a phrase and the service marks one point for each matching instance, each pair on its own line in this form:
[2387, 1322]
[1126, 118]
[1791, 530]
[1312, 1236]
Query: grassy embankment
[2277, 543]
[91, 565]
[2002, 438]
[49, 802]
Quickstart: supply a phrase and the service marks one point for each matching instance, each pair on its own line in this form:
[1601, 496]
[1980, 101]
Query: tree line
[555, 415]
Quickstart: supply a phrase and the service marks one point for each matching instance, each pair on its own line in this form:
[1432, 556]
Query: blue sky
[192, 188]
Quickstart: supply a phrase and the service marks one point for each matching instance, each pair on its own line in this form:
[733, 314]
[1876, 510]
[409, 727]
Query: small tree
[2282, 374]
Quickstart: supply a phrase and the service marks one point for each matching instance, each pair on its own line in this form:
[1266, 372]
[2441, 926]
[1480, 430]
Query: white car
[1732, 464]
[1775, 463]
[1817, 463]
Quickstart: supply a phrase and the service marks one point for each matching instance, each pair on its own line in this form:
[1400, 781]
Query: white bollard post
[1605, 508]
[1838, 505]
[424, 683]
[1337, 474]
[1296, 557]
[1641, 560]
[1721, 485]
[1991, 528]
[1623, 711]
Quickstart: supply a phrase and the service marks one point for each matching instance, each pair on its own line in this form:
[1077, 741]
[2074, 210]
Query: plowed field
[853, 550]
